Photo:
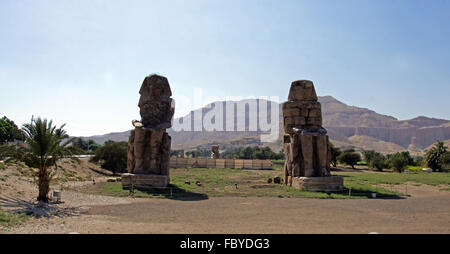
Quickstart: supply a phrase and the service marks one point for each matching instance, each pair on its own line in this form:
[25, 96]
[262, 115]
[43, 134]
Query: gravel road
[427, 211]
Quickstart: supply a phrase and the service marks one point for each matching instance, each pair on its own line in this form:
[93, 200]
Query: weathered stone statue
[305, 143]
[215, 152]
[149, 143]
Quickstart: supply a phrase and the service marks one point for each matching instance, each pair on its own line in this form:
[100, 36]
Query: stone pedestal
[144, 182]
[328, 183]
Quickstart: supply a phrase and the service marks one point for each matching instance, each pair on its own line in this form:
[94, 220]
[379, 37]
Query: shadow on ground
[176, 193]
[37, 209]
[360, 192]
[356, 192]
[100, 172]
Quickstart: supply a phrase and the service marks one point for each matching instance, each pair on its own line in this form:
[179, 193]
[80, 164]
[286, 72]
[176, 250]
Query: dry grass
[238, 183]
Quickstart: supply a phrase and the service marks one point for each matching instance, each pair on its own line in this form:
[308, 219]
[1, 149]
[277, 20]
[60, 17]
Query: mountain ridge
[348, 126]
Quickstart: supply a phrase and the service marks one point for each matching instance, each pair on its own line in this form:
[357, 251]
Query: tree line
[46, 144]
[253, 153]
[437, 158]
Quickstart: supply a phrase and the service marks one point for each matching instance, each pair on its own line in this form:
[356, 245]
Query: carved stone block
[306, 145]
[149, 144]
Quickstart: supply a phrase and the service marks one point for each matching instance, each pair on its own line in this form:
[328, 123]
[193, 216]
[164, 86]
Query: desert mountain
[446, 143]
[348, 126]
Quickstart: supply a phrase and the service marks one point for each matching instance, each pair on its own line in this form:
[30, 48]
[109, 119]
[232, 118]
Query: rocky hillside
[348, 126]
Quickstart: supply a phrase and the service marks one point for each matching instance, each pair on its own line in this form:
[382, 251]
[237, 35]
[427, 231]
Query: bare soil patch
[426, 210]
[258, 215]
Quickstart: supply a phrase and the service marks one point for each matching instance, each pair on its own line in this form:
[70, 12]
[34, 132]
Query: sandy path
[426, 212]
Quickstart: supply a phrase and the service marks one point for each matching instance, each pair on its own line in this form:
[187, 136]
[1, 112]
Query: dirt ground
[17, 179]
[426, 211]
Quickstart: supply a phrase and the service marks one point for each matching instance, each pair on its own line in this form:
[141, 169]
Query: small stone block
[144, 182]
[328, 183]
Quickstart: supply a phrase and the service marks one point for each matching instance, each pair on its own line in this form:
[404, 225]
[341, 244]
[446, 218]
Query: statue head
[156, 106]
[302, 90]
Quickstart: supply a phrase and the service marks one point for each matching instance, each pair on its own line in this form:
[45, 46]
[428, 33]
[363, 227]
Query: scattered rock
[111, 180]
[198, 183]
[269, 180]
[187, 182]
[277, 180]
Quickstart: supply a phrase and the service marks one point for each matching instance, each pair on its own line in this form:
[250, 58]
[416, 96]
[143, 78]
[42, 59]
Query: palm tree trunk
[44, 185]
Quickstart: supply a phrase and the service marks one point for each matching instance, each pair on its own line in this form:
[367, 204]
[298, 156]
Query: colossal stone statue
[305, 143]
[149, 143]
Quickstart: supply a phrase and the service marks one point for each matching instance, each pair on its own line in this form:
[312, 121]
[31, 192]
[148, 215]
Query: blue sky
[82, 62]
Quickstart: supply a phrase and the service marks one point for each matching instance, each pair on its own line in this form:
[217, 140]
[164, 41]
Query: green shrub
[335, 152]
[113, 156]
[416, 169]
[445, 160]
[418, 161]
[81, 146]
[368, 155]
[199, 152]
[378, 161]
[398, 162]
[176, 153]
[253, 152]
[9, 131]
[433, 156]
[12, 219]
[349, 157]
[375, 160]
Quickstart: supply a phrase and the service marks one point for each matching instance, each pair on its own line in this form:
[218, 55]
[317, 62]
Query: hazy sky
[82, 62]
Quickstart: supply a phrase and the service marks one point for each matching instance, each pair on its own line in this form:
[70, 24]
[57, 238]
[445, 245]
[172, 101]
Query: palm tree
[44, 147]
[433, 156]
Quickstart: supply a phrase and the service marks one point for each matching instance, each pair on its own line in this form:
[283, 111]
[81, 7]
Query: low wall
[219, 163]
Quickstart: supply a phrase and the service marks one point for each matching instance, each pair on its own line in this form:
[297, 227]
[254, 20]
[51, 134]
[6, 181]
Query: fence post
[350, 192]
[132, 188]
